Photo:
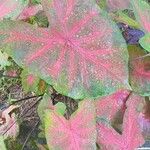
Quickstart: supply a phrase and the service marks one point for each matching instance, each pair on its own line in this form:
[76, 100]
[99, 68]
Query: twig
[5, 76]
[26, 98]
[29, 135]
[141, 57]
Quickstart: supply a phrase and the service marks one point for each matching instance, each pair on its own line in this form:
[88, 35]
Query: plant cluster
[94, 51]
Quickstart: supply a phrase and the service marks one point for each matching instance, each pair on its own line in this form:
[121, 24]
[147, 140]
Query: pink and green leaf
[30, 11]
[78, 133]
[131, 136]
[108, 106]
[142, 10]
[30, 82]
[11, 8]
[139, 71]
[77, 54]
[114, 5]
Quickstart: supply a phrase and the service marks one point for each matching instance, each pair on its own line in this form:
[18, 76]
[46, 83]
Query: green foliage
[29, 81]
[4, 60]
[60, 108]
[45, 103]
[2, 144]
[145, 42]
[122, 17]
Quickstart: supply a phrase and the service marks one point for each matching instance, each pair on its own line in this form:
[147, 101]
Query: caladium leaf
[45, 103]
[142, 10]
[145, 42]
[139, 71]
[144, 119]
[114, 5]
[30, 11]
[77, 133]
[11, 8]
[131, 136]
[30, 82]
[108, 106]
[77, 54]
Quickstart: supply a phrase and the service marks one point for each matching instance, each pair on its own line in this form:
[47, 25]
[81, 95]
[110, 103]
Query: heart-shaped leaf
[131, 137]
[82, 53]
[78, 133]
[139, 71]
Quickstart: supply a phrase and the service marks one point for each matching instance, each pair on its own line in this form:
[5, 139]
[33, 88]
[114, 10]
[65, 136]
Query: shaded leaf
[144, 119]
[77, 133]
[60, 108]
[131, 137]
[124, 18]
[139, 71]
[132, 35]
[82, 53]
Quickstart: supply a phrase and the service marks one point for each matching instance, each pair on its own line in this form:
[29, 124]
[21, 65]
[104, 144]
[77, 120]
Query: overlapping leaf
[11, 8]
[78, 133]
[139, 71]
[131, 137]
[30, 11]
[114, 5]
[145, 42]
[108, 106]
[82, 53]
[142, 11]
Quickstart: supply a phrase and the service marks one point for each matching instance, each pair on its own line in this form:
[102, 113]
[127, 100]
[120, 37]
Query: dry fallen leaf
[8, 125]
